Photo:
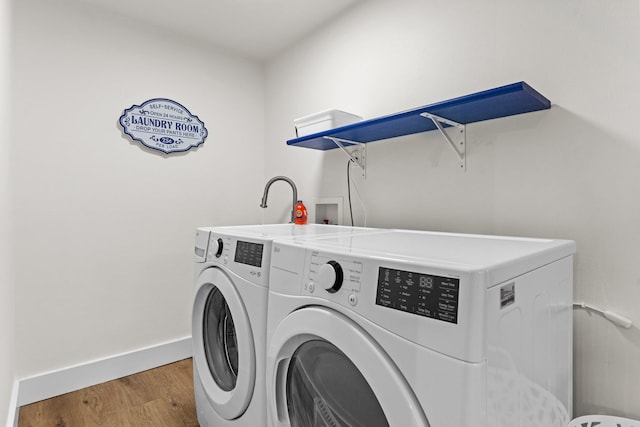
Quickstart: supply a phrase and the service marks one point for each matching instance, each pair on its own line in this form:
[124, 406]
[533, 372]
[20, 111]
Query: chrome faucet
[293, 187]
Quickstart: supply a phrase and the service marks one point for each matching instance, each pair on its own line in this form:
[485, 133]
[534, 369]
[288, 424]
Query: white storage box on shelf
[325, 120]
[603, 421]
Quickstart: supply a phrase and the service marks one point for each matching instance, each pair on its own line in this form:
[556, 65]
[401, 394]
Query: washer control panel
[219, 247]
[247, 257]
[249, 253]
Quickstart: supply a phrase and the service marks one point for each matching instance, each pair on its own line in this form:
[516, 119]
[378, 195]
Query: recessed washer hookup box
[325, 120]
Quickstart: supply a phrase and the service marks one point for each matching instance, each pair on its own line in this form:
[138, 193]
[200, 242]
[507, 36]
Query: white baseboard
[14, 409]
[55, 383]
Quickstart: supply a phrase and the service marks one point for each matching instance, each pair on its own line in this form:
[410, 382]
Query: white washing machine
[229, 318]
[420, 329]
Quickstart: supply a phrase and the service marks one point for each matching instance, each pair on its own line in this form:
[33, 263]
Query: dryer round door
[223, 344]
[325, 370]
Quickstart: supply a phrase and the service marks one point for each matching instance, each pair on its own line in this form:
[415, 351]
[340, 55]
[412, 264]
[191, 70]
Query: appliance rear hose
[615, 318]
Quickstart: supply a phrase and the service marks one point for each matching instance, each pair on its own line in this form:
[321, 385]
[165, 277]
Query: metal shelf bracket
[356, 151]
[459, 142]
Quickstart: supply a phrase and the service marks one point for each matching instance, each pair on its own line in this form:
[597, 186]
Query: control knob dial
[217, 247]
[330, 276]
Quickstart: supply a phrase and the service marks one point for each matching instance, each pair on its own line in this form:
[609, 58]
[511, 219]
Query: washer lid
[220, 340]
[223, 344]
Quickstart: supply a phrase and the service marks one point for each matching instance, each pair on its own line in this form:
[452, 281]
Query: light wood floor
[161, 397]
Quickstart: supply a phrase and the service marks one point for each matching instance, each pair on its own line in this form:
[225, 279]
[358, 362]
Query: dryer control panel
[335, 274]
[434, 306]
[419, 293]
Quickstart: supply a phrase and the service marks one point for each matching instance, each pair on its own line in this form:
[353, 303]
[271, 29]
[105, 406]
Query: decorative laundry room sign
[163, 125]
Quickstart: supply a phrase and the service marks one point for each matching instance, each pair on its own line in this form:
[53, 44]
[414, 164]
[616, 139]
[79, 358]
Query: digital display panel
[249, 253]
[417, 293]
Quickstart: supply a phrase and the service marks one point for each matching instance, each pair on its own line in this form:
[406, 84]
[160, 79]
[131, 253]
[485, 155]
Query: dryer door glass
[220, 341]
[325, 389]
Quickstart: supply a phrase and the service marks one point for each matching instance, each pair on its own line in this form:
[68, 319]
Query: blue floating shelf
[516, 98]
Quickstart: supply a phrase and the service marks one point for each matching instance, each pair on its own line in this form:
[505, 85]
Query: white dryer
[229, 318]
[419, 329]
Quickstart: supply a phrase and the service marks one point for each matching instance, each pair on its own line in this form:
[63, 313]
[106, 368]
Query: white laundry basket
[603, 421]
